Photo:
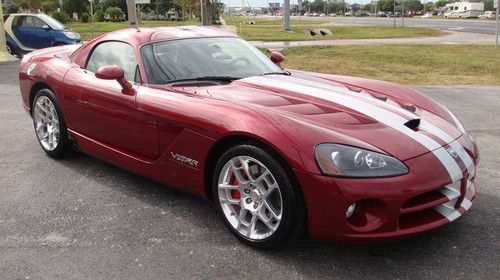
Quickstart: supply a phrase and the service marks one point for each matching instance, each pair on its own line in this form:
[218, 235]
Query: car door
[102, 112]
[32, 32]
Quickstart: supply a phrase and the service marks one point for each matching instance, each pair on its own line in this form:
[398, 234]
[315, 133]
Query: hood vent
[413, 124]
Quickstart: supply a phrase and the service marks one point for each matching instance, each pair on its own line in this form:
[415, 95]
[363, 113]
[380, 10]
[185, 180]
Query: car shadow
[466, 247]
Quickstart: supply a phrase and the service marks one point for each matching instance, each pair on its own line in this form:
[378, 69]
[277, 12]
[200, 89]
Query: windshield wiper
[276, 73]
[205, 78]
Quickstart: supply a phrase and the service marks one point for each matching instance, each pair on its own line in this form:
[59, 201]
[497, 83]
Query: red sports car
[279, 152]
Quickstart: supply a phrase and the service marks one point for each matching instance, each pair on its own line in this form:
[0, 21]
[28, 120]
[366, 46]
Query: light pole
[202, 12]
[91, 7]
[286, 15]
[3, 43]
[132, 14]
[394, 13]
[496, 25]
[402, 13]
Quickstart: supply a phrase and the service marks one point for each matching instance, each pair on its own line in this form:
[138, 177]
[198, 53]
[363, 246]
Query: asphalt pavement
[462, 25]
[81, 218]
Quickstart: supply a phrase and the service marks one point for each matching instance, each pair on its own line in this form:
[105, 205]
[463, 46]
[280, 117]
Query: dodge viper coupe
[281, 153]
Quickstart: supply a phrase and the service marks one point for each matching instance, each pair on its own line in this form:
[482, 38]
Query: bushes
[60, 16]
[98, 16]
[84, 18]
[115, 14]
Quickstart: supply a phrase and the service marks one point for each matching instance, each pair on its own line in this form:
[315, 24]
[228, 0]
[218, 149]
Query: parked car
[279, 152]
[463, 10]
[348, 14]
[381, 14]
[426, 15]
[333, 14]
[28, 32]
[488, 15]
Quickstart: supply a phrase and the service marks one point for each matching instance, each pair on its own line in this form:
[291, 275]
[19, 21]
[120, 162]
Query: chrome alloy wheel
[250, 197]
[46, 123]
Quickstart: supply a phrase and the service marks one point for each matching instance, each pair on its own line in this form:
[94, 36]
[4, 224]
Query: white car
[427, 15]
[488, 15]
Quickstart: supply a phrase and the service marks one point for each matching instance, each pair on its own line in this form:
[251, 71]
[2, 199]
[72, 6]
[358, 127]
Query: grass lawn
[93, 29]
[275, 33]
[405, 64]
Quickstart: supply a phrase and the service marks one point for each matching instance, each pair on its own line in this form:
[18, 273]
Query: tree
[48, 6]
[75, 6]
[441, 3]
[98, 16]
[413, 5]
[115, 14]
[186, 6]
[386, 5]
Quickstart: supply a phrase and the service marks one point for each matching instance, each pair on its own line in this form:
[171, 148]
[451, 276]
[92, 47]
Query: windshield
[187, 59]
[53, 23]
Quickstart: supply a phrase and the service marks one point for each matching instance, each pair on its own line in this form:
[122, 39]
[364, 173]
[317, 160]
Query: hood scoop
[413, 124]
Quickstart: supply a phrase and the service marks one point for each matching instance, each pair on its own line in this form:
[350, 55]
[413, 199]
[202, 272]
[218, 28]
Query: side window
[115, 53]
[17, 21]
[38, 23]
[32, 22]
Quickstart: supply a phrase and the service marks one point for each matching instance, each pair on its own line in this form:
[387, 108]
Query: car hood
[393, 125]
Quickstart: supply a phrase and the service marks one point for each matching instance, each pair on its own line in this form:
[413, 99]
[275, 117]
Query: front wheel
[49, 124]
[10, 49]
[257, 197]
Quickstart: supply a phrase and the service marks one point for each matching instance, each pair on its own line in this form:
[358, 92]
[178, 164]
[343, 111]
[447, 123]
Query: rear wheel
[10, 49]
[49, 124]
[257, 198]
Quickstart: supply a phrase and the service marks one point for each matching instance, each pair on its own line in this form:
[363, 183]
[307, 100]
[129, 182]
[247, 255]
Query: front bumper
[387, 208]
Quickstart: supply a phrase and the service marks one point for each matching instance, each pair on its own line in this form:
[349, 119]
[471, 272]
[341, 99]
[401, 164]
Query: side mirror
[114, 72]
[277, 58]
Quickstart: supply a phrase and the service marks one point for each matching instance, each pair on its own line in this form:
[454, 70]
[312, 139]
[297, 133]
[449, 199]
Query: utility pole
[3, 43]
[91, 7]
[496, 25]
[286, 15]
[202, 12]
[402, 13]
[131, 13]
[394, 13]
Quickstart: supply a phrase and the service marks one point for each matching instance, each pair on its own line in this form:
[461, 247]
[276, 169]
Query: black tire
[64, 146]
[293, 222]
[11, 50]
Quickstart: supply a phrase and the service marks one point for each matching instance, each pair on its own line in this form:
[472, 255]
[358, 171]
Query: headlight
[346, 161]
[72, 35]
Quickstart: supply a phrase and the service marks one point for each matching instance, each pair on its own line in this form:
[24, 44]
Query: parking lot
[465, 25]
[82, 218]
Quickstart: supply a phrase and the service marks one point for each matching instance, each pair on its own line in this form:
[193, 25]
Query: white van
[463, 10]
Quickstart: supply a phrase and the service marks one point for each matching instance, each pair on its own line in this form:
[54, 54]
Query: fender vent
[410, 108]
[413, 124]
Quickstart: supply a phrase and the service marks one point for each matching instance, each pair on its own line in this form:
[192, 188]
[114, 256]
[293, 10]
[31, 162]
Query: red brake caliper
[236, 194]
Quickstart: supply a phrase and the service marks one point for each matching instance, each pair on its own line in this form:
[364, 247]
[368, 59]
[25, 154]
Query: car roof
[144, 35]
[141, 36]
[27, 14]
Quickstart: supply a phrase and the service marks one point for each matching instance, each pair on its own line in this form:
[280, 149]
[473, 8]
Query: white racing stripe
[454, 144]
[326, 85]
[382, 115]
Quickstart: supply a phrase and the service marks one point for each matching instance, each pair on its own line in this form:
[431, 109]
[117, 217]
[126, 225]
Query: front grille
[432, 206]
